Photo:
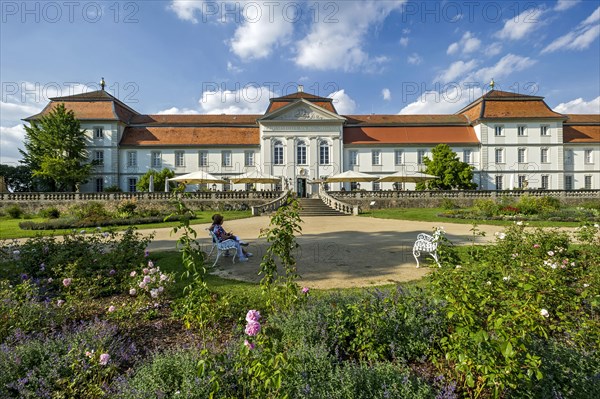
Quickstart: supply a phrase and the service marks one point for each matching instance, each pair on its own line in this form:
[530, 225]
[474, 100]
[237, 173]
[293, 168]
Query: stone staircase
[316, 207]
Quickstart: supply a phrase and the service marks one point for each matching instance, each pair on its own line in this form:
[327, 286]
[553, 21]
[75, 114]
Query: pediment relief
[302, 113]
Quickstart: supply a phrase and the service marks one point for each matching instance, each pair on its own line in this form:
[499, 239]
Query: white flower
[519, 223]
[161, 289]
[163, 277]
[550, 253]
[506, 278]
[132, 292]
[111, 309]
[154, 293]
[133, 273]
[597, 226]
[489, 283]
[458, 266]
[142, 284]
[544, 313]
[501, 236]
[586, 285]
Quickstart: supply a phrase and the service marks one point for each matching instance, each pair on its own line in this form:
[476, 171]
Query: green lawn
[9, 228]
[430, 215]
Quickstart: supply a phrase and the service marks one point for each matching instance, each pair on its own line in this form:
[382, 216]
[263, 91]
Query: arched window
[278, 153]
[301, 153]
[324, 153]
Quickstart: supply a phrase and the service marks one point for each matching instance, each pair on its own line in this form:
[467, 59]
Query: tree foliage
[451, 171]
[17, 178]
[159, 180]
[55, 150]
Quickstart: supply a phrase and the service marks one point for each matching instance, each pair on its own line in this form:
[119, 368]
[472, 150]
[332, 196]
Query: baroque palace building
[512, 140]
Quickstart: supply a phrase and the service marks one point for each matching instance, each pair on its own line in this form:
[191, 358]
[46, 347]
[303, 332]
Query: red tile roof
[280, 102]
[410, 135]
[583, 118]
[405, 120]
[581, 134]
[274, 106]
[204, 119]
[193, 136]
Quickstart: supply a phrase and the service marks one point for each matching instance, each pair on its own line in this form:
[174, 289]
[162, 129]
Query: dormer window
[499, 130]
[545, 130]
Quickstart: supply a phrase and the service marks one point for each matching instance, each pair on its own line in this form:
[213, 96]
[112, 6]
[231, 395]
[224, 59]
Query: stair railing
[271, 206]
[337, 204]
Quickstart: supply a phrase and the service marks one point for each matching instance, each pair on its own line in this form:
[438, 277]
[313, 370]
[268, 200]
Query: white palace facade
[512, 140]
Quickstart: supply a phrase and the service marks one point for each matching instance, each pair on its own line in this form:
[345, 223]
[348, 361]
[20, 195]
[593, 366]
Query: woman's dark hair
[217, 219]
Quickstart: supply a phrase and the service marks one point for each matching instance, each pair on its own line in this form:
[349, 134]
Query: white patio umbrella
[351, 176]
[151, 184]
[255, 177]
[199, 177]
[407, 177]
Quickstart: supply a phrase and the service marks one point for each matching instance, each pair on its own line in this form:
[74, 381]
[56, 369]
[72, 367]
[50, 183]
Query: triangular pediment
[302, 111]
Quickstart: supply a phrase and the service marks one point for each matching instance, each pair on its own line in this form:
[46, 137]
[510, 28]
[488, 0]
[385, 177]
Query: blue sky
[371, 56]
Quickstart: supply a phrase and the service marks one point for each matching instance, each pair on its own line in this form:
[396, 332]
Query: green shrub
[113, 189]
[50, 213]
[14, 211]
[486, 207]
[58, 224]
[448, 204]
[126, 208]
[89, 210]
[529, 205]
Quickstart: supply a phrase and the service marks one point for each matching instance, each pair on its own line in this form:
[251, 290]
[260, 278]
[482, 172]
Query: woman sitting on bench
[222, 235]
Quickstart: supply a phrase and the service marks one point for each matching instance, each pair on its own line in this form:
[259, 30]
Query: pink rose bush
[150, 282]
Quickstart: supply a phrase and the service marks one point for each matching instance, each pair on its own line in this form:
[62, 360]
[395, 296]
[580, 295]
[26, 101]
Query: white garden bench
[221, 247]
[428, 244]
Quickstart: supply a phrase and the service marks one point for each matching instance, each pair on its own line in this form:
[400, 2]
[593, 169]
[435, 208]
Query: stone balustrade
[360, 194]
[271, 206]
[336, 204]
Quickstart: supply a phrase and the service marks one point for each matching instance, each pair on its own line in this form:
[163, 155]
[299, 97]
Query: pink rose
[104, 358]
[252, 328]
[305, 290]
[253, 315]
[67, 282]
[248, 345]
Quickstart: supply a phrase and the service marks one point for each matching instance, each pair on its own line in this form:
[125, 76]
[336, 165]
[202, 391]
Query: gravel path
[335, 252]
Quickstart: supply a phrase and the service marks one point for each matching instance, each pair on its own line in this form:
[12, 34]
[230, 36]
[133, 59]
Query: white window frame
[131, 184]
[202, 158]
[544, 130]
[421, 156]
[399, 157]
[156, 159]
[522, 130]
[226, 158]
[588, 156]
[498, 130]
[278, 153]
[468, 156]
[376, 157]
[248, 158]
[324, 153]
[522, 155]
[545, 182]
[353, 157]
[131, 159]
[544, 155]
[521, 181]
[499, 181]
[301, 151]
[499, 155]
[99, 157]
[569, 182]
[587, 182]
[179, 159]
[376, 186]
[98, 132]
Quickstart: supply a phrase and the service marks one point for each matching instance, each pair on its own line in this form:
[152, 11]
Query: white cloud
[340, 45]
[387, 94]
[580, 38]
[247, 100]
[175, 110]
[414, 59]
[456, 70]
[507, 65]
[493, 49]
[186, 9]
[11, 139]
[342, 102]
[432, 102]
[522, 25]
[579, 106]
[232, 68]
[259, 35]
[562, 5]
[404, 41]
[467, 44]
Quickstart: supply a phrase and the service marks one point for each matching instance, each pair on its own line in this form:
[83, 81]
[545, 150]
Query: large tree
[17, 178]
[159, 180]
[451, 171]
[55, 150]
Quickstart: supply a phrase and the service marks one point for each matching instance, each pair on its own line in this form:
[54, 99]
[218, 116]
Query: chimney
[300, 88]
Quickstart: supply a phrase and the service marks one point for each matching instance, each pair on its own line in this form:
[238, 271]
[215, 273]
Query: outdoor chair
[221, 247]
[428, 244]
